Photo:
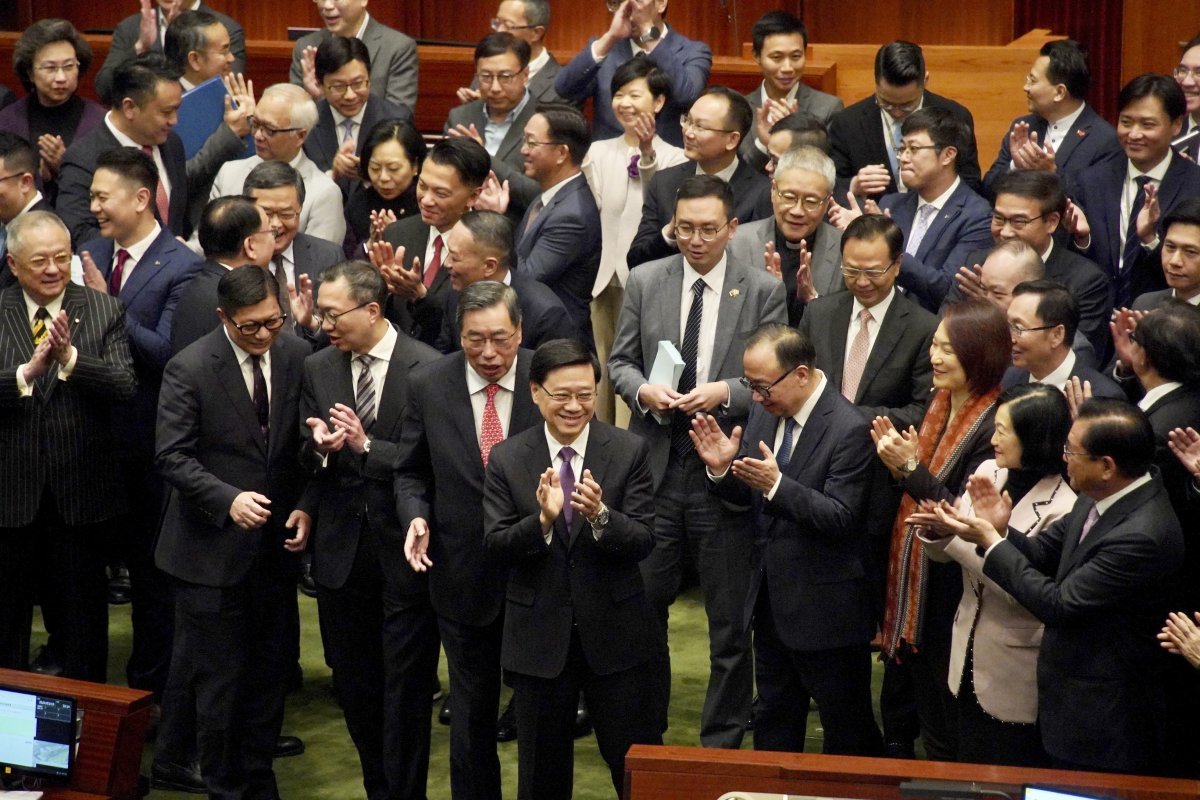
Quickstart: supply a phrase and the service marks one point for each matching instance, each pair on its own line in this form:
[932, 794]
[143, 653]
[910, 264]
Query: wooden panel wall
[922, 21]
[1151, 35]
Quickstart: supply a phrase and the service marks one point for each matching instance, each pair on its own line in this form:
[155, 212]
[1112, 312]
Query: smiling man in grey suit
[702, 301]
[797, 243]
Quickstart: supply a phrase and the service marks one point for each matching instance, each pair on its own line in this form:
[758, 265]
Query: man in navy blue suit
[637, 28]
[1062, 133]
[139, 261]
[942, 217]
[1116, 206]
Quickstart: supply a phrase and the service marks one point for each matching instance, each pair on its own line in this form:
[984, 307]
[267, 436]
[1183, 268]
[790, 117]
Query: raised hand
[989, 503]
[871, 179]
[805, 291]
[714, 448]
[468, 131]
[772, 261]
[1185, 444]
[308, 69]
[416, 545]
[39, 363]
[324, 440]
[92, 277]
[494, 195]
[345, 162]
[1018, 138]
[466, 94]
[60, 338]
[1076, 224]
[147, 28]
[302, 302]
[644, 129]
[1077, 394]
[380, 220]
[970, 282]
[1148, 217]
[549, 497]
[1124, 322]
[841, 216]
[759, 474]
[239, 103]
[587, 499]
[346, 420]
[894, 447]
[50, 149]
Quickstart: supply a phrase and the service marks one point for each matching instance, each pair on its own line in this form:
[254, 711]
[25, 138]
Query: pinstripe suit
[55, 490]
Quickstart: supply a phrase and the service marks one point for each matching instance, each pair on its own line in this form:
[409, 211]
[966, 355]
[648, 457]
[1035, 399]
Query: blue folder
[201, 111]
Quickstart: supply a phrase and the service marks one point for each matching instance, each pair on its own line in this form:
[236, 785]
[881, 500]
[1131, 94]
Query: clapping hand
[894, 447]
[1181, 636]
[587, 497]
[714, 448]
[758, 473]
[550, 498]
[1185, 444]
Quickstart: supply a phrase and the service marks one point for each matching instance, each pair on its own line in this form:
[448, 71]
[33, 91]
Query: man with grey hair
[65, 368]
[796, 243]
[282, 119]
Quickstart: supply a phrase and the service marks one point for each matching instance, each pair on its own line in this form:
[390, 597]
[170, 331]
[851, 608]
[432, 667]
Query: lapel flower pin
[734, 292]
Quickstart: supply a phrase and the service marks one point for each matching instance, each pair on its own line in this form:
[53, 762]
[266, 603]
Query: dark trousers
[838, 679]
[688, 516]
[473, 660]
[65, 562]
[232, 645]
[383, 649]
[937, 709]
[545, 709]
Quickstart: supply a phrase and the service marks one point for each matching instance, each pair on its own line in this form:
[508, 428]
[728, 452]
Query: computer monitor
[1038, 793]
[37, 734]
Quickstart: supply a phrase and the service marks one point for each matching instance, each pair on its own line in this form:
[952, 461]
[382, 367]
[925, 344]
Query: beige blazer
[1007, 637]
[619, 198]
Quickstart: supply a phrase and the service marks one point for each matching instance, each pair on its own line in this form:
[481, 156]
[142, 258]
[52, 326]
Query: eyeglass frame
[1016, 223]
[500, 26]
[61, 260]
[799, 199]
[1018, 331]
[268, 131]
[1078, 453]
[583, 398]
[1180, 72]
[504, 79]
[906, 108]
[291, 216]
[481, 342]
[870, 274]
[686, 121]
[530, 142]
[321, 316]
[915, 148]
[244, 328]
[340, 89]
[764, 391]
[687, 237]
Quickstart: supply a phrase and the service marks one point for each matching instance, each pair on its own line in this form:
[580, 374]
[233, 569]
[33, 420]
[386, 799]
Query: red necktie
[490, 433]
[114, 280]
[161, 200]
[435, 263]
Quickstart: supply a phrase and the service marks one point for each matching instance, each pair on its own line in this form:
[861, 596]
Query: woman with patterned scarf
[969, 354]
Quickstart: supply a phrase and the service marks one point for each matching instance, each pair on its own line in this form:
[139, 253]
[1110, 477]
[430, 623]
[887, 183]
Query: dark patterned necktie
[681, 423]
[566, 479]
[364, 398]
[40, 331]
[262, 403]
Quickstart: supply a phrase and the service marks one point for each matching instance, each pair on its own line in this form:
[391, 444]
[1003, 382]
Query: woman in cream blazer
[994, 650]
[617, 170]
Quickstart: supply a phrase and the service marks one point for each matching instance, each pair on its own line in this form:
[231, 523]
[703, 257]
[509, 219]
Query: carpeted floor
[329, 768]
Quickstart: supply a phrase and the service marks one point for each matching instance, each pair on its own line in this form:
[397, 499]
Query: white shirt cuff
[774, 488]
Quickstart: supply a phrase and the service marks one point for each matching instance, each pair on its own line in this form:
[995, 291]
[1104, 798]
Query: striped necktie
[364, 397]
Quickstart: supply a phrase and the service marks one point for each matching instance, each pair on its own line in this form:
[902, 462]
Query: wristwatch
[366, 447]
[910, 466]
[601, 520]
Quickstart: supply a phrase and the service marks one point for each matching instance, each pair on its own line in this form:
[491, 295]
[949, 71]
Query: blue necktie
[785, 447]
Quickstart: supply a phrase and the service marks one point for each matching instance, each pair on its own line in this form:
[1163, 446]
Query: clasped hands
[662, 399]
[718, 453]
[55, 347]
[587, 499]
[895, 448]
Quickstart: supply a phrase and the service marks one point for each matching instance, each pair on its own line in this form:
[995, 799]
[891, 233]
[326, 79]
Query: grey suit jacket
[652, 313]
[393, 61]
[820, 104]
[748, 243]
[507, 162]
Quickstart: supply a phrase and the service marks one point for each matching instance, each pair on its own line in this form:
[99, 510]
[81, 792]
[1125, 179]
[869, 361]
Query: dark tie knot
[41, 313]
[698, 287]
[1142, 180]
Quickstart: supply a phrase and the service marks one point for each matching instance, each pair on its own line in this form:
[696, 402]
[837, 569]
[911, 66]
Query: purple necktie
[1088, 523]
[633, 166]
[566, 478]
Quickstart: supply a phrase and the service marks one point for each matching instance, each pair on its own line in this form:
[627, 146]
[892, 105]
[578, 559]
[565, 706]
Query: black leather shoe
[444, 711]
[46, 662]
[287, 746]
[308, 586]
[118, 586]
[583, 720]
[506, 726]
[175, 777]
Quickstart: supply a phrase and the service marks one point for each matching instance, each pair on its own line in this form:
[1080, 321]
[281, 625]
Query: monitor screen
[1036, 793]
[37, 733]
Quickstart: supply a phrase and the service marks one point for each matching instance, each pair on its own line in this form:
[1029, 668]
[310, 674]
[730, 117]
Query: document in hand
[202, 111]
[667, 367]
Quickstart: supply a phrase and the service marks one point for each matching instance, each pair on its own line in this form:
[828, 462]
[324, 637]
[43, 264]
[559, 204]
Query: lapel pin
[734, 292]
[1081, 133]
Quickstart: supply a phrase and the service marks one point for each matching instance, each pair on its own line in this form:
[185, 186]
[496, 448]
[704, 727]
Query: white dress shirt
[1057, 131]
[136, 251]
[801, 418]
[878, 312]
[714, 282]
[1059, 376]
[503, 401]
[1129, 193]
[355, 128]
[1157, 393]
[580, 448]
[246, 365]
[382, 353]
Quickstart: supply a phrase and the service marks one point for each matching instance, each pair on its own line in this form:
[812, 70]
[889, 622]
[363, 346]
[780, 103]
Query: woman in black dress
[391, 158]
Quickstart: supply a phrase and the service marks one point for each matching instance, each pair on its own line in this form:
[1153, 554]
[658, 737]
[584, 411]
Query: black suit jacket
[210, 449]
[543, 316]
[810, 538]
[1102, 385]
[350, 486]
[561, 248]
[439, 477]
[575, 582]
[856, 138]
[323, 140]
[421, 319]
[59, 440]
[897, 378]
[507, 162]
[1103, 600]
[196, 313]
[751, 196]
[1091, 141]
[313, 255]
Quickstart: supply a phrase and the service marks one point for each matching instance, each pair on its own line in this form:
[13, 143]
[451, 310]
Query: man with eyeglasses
[638, 28]
[569, 505]
[378, 628]
[713, 129]
[146, 31]
[697, 300]
[498, 118]
[233, 232]
[18, 191]
[459, 407]
[65, 373]
[393, 54]
[228, 445]
[866, 135]
[803, 463]
[348, 109]
[1029, 208]
[283, 119]
[1187, 75]
[528, 20]
[796, 243]
[198, 44]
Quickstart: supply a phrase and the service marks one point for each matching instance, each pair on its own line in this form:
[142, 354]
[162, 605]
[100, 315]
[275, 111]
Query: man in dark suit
[1187, 75]
[228, 446]
[147, 91]
[198, 46]
[451, 179]
[1043, 318]
[1062, 133]
[479, 248]
[1180, 258]
[702, 301]
[1116, 205]
[65, 368]
[1028, 207]
[348, 111]
[233, 232]
[498, 118]
[796, 241]
[558, 240]
[453, 419]
[393, 54]
[636, 29]
[378, 627]
[1098, 578]
[717, 123]
[803, 464]
[19, 194]
[528, 20]
[143, 264]
[570, 505]
[942, 217]
[866, 135]
[779, 40]
[144, 33]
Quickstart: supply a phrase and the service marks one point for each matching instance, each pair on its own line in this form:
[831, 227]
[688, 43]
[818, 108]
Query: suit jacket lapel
[326, 133]
[516, 132]
[1173, 182]
[463, 414]
[841, 322]
[394, 390]
[229, 373]
[145, 270]
[1073, 138]
[668, 304]
[813, 432]
[729, 311]
[891, 328]
[826, 260]
[944, 217]
[905, 212]
[16, 320]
